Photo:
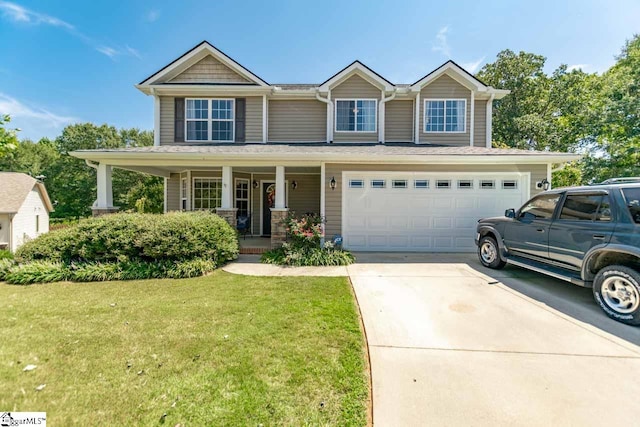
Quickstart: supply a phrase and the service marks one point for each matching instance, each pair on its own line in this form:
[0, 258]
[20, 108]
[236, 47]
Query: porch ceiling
[165, 171]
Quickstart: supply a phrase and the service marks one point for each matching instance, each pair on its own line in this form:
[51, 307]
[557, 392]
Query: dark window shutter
[241, 114]
[179, 120]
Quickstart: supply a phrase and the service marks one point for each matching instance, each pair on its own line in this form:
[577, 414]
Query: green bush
[36, 272]
[180, 236]
[5, 254]
[298, 257]
[5, 265]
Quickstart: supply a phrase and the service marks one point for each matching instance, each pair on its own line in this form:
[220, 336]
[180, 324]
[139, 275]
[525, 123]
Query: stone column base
[95, 211]
[278, 229]
[229, 215]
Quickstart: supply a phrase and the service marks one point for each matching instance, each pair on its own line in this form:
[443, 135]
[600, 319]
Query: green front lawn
[216, 350]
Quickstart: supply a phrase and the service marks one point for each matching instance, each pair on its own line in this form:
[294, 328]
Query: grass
[216, 350]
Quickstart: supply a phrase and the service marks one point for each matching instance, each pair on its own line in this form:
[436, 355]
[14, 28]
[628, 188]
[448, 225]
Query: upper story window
[210, 120]
[445, 115]
[356, 115]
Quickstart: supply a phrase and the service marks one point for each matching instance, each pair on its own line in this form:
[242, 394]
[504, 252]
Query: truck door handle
[598, 236]
[540, 230]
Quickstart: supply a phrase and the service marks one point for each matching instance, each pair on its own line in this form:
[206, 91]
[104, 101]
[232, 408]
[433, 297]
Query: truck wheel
[489, 254]
[616, 289]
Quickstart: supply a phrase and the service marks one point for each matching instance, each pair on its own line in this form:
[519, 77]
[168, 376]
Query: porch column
[226, 210]
[279, 211]
[104, 202]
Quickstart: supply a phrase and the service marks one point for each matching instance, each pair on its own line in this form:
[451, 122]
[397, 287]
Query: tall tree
[8, 137]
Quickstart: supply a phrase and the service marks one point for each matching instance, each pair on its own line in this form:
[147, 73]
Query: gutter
[381, 114]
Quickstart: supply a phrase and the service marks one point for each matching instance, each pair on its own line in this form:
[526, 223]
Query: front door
[268, 202]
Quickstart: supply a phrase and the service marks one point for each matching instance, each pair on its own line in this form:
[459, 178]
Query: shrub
[180, 236]
[36, 272]
[304, 248]
[5, 254]
[5, 265]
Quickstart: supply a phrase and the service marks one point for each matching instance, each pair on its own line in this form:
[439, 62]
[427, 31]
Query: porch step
[253, 251]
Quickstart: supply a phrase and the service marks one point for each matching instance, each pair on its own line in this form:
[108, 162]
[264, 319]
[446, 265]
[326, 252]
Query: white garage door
[437, 212]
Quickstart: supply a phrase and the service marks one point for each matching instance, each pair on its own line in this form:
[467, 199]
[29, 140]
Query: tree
[8, 137]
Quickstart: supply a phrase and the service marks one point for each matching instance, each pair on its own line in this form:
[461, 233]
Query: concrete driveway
[453, 343]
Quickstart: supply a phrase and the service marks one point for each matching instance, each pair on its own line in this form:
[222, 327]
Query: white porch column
[227, 187]
[105, 192]
[280, 188]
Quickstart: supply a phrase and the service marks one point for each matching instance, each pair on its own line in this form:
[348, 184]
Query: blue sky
[68, 61]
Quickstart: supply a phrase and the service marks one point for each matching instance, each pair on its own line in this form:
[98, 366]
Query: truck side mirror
[510, 213]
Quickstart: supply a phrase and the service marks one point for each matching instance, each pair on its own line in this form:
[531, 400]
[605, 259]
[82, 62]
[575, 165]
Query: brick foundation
[229, 215]
[278, 229]
[104, 211]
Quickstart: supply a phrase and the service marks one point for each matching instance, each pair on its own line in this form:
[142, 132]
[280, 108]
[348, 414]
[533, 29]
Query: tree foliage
[8, 137]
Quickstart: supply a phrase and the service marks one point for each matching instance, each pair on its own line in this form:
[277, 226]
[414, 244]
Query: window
[207, 193]
[445, 115]
[541, 207]
[465, 184]
[443, 183]
[421, 183]
[356, 183]
[183, 194]
[242, 196]
[632, 197]
[399, 183]
[487, 184]
[509, 185]
[378, 183]
[210, 120]
[356, 115]
[578, 207]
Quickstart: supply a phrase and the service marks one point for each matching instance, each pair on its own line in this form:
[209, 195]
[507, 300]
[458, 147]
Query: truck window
[632, 199]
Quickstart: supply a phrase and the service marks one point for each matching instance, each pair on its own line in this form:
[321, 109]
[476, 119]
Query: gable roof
[357, 67]
[197, 52]
[14, 189]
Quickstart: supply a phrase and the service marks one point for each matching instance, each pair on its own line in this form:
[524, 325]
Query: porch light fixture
[254, 184]
[332, 183]
[544, 184]
[294, 185]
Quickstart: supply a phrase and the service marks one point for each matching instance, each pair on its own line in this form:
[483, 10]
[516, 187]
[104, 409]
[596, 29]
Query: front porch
[254, 245]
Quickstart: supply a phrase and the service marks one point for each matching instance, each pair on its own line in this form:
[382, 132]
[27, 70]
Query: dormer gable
[357, 68]
[454, 71]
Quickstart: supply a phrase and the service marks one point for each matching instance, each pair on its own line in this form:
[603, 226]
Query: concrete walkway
[453, 343]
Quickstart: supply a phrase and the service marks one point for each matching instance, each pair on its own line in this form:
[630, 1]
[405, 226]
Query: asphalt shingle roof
[14, 189]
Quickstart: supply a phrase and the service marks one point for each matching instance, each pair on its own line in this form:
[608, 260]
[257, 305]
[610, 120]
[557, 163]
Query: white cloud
[33, 121]
[577, 67]
[18, 13]
[442, 44]
[473, 66]
[153, 15]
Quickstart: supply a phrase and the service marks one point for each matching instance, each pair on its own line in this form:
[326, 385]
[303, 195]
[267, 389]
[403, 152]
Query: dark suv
[589, 236]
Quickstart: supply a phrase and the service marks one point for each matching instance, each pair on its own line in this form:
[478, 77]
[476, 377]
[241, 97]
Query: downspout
[327, 101]
[472, 110]
[11, 249]
[383, 101]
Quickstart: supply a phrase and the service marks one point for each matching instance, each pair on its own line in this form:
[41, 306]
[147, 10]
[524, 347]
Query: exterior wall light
[255, 184]
[294, 185]
[544, 184]
[332, 183]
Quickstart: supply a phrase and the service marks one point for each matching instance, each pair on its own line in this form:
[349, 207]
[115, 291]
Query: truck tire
[616, 289]
[489, 253]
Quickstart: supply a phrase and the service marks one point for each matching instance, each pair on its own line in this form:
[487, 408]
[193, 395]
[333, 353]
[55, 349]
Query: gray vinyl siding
[444, 87]
[253, 125]
[173, 192]
[355, 87]
[398, 119]
[167, 120]
[333, 198]
[209, 70]
[297, 121]
[480, 124]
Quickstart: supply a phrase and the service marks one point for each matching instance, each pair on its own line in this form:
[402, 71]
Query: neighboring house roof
[340, 153]
[14, 189]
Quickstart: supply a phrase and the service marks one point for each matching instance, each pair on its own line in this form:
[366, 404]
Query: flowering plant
[306, 231]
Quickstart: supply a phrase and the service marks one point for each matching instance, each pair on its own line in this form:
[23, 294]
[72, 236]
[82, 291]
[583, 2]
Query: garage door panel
[422, 219]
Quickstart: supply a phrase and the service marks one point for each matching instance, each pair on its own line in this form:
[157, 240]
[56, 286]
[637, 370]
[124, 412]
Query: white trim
[356, 68]
[335, 116]
[235, 195]
[489, 118]
[210, 120]
[549, 174]
[166, 195]
[189, 187]
[286, 194]
[198, 53]
[265, 119]
[156, 120]
[424, 116]
[329, 103]
[453, 71]
[184, 196]
[382, 114]
[472, 117]
[416, 128]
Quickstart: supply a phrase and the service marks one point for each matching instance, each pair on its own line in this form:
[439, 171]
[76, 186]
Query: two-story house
[392, 167]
